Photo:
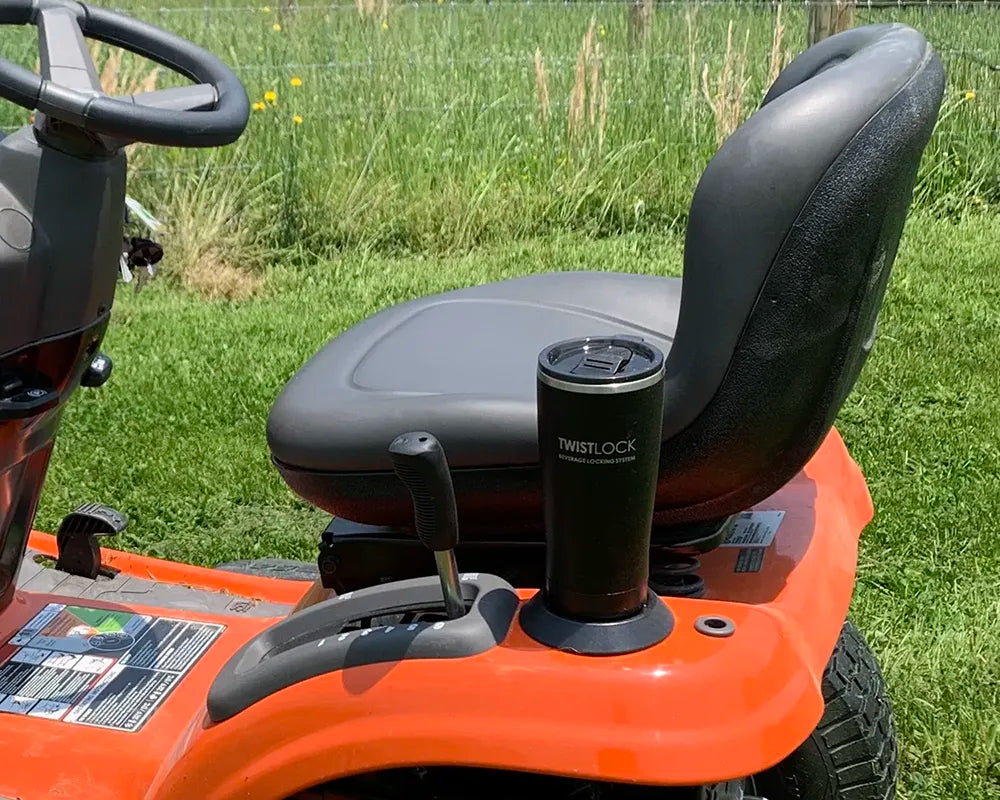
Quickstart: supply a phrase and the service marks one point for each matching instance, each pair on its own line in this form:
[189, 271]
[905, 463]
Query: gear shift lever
[420, 463]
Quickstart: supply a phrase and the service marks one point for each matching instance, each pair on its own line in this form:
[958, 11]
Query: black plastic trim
[650, 626]
[310, 643]
[354, 556]
[220, 126]
[123, 117]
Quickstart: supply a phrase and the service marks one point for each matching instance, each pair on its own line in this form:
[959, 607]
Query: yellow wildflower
[296, 119]
[271, 96]
[970, 95]
[276, 27]
[385, 26]
[296, 82]
[266, 9]
[601, 30]
[258, 106]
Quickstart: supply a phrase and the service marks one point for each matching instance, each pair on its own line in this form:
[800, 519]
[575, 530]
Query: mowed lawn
[176, 440]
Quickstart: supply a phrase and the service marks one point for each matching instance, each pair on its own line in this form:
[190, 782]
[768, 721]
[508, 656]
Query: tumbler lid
[601, 364]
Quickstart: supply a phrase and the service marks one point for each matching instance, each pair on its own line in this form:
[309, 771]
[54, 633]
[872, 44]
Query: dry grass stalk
[122, 78]
[595, 77]
[574, 115]
[542, 87]
[212, 248]
[213, 277]
[588, 97]
[727, 100]
[376, 11]
[578, 94]
[692, 42]
[603, 121]
[117, 79]
[776, 59]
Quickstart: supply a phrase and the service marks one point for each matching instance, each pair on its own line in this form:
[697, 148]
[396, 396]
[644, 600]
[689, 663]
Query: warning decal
[754, 529]
[749, 559]
[91, 666]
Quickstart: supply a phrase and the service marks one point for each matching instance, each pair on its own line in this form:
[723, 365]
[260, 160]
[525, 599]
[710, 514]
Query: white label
[754, 529]
[83, 706]
[95, 665]
[144, 215]
[98, 667]
[61, 661]
[48, 709]
[136, 625]
[28, 655]
[17, 705]
[41, 619]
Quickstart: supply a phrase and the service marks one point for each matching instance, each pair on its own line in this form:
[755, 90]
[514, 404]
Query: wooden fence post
[828, 17]
[640, 21]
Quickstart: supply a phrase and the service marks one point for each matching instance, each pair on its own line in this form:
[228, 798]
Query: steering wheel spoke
[62, 51]
[200, 97]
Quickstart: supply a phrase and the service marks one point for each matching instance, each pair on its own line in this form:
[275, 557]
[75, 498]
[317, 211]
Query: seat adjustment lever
[79, 552]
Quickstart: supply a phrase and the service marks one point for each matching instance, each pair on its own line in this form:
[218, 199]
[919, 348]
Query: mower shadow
[758, 575]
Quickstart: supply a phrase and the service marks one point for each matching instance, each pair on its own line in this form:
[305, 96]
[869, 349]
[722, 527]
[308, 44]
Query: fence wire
[488, 5]
[975, 58]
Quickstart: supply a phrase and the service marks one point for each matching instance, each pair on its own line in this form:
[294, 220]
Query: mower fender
[733, 690]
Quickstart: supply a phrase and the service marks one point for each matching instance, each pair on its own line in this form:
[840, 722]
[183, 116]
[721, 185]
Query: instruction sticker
[754, 529]
[91, 666]
[749, 559]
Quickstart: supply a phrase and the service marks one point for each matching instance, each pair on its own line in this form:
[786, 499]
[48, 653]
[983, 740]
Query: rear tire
[731, 790]
[852, 754]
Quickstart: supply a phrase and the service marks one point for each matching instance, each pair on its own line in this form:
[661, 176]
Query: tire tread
[852, 754]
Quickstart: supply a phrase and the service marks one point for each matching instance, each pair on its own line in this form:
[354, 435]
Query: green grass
[176, 439]
[427, 136]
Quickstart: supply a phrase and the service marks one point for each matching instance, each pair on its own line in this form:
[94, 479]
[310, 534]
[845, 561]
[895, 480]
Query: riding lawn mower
[594, 535]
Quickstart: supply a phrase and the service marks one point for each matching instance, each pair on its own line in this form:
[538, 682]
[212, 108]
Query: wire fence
[486, 5]
[440, 60]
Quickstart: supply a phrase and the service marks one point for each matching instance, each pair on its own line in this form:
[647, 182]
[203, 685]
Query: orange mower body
[709, 708]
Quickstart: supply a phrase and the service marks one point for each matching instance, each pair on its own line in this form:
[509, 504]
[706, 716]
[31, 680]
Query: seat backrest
[793, 230]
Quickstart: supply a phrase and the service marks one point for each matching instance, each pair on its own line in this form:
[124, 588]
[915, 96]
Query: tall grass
[436, 126]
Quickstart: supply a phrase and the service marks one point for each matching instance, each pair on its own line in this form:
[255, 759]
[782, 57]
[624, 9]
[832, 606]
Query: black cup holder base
[650, 626]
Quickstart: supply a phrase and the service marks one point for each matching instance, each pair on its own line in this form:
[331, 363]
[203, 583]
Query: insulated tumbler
[600, 417]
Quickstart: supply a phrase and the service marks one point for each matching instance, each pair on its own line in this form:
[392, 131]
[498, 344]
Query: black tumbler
[600, 417]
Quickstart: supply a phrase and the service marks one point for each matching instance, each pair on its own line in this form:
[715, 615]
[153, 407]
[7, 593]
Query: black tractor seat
[461, 364]
[792, 233]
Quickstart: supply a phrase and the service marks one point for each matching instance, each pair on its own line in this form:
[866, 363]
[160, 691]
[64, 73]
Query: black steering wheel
[211, 113]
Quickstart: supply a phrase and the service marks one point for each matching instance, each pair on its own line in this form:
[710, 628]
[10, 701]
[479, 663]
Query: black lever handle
[420, 463]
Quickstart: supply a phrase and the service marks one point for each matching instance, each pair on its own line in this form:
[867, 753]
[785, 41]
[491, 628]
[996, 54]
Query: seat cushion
[460, 365]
